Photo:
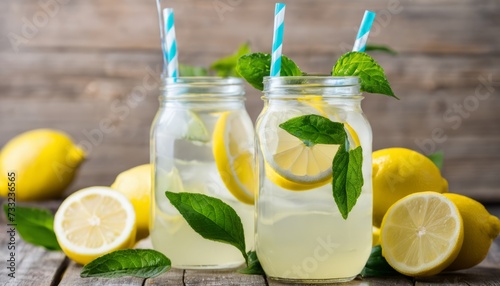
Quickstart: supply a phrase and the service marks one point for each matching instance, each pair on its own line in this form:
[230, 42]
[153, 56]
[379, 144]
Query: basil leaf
[253, 265]
[185, 70]
[437, 158]
[347, 178]
[254, 67]
[377, 265]
[380, 48]
[211, 218]
[144, 263]
[35, 226]
[227, 66]
[315, 129]
[360, 64]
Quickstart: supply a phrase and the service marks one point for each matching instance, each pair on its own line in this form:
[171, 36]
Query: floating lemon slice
[234, 163]
[421, 234]
[196, 129]
[93, 222]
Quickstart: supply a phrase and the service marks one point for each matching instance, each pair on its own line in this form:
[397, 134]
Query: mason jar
[202, 141]
[301, 236]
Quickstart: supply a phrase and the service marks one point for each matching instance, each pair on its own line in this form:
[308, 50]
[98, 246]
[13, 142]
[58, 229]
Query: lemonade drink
[300, 234]
[202, 142]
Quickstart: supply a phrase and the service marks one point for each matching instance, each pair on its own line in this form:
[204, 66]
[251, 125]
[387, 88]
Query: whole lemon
[44, 162]
[480, 229]
[398, 172]
[135, 184]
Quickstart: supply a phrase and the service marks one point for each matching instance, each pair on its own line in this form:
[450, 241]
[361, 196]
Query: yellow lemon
[135, 184]
[375, 236]
[398, 172]
[480, 229]
[234, 160]
[93, 222]
[44, 162]
[421, 234]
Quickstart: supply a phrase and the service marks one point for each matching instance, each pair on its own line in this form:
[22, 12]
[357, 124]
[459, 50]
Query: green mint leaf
[437, 158]
[360, 64]
[380, 48]
[254, 67]
[227, 66]
[377, 265]
[144, 263]
[253, 265]
[315, 129]
[185, 70]
[211, 218]
[347, 178]
[35, 226]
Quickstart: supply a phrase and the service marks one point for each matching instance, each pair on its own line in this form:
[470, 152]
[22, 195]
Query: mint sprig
[253, 265]
[143, 263]
[227, 66]
[377, 265]
[360, 64]
[254, 67]
[380, 48]
[437, 158]
[211, 218]
[347, 164]
[35, 226]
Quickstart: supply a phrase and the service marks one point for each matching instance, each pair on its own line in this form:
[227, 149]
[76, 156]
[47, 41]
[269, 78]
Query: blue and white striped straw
[364, 31]
[279, 27]
[170, 43]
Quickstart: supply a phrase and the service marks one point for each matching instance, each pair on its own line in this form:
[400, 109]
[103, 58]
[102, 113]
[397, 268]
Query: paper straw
[162, 36]
[279, 26]
[170, 43]
[364, 30]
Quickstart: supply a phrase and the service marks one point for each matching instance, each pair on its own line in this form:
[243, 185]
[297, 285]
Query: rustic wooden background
[70, 64]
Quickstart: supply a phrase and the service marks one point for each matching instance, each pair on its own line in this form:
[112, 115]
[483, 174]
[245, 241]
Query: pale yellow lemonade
[187, 141]
[300, 233]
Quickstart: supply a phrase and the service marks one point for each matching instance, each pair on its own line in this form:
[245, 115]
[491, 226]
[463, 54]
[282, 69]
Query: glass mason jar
[202, 141]
[300, 233]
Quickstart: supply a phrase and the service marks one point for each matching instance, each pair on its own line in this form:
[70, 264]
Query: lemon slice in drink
[196, 130]
[234, 161]
[295, 165]
[94, 221]
[421, 234]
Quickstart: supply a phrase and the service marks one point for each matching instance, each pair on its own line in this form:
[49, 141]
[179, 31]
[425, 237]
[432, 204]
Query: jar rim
[201, 80]
[328, 86]
[202, 88]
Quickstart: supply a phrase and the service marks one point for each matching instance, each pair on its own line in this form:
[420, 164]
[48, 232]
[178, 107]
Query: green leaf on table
[348, 178]
[380, 48]
[34, 225]
[144, 263]
[253, 265]
[315, 129]
[254, 67]
[377, 265]
[227, 66]
[211, 218]
[437, 158]
[186, 70]
[360, 64]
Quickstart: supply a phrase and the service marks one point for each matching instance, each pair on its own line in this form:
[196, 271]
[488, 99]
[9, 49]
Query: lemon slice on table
[421, 234]
[94, 221]
[234, 160]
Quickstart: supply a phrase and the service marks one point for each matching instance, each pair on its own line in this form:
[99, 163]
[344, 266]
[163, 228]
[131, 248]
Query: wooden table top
[37, 266]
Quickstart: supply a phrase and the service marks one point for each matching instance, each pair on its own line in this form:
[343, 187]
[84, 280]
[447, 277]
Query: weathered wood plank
[72, 277]
[34, 265]
[478, 276]
[212, 278]
[173, 277]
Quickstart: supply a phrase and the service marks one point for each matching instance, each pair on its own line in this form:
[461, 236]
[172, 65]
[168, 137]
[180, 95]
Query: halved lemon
[94, 221]
[421, 234]
[233, 158]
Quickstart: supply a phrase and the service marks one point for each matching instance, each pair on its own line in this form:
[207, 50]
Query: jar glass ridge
[300, 233]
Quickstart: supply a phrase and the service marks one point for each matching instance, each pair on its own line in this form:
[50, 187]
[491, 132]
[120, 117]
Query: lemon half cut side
[422, 234]
[94, 221]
